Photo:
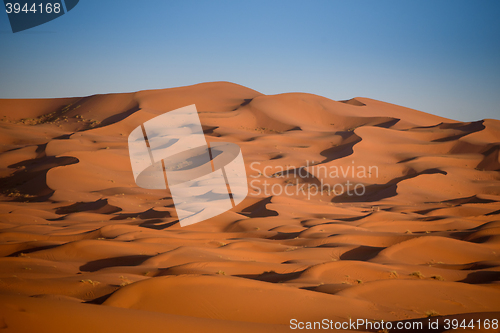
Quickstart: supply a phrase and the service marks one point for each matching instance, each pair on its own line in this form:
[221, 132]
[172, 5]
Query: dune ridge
[77, 234]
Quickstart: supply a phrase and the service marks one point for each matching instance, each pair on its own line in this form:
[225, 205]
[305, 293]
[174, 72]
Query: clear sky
[441, 57]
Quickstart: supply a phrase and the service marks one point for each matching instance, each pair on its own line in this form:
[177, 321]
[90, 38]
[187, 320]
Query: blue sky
[441, 57]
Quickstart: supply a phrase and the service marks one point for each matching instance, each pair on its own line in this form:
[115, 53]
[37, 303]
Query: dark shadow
[277, 157]
[329, 289]
[63, 137]
[382, 191]
[408, 159]
[353, 101]
[284, 235]
[99, 300]
[31, 250]
[355, 218]
[388, 124]
[362, 253]
[474, 266]
[29, 183]
[209, 130]
[466, 128]
[96, 265]
[482, 277]
[427, 211]
[342, 150]
[490, 161]
[259, 209]
[472, 199]
[100, 206]
[431, 218]
[158, 224]
[460, 235]
[154, 214]
[246, 101]
[479, 265]
[496, 212]
[272, 276]
[118, 117]
[425, 127]
[124, 216]
[470, 127]
[373, 193]
[480, 240]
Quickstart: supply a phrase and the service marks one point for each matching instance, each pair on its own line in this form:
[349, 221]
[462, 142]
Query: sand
[84, 249]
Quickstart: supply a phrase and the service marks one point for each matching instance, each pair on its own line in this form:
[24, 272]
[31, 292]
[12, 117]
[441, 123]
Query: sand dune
[84, 249]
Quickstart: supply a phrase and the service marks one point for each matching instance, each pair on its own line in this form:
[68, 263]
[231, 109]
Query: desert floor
[83, 249]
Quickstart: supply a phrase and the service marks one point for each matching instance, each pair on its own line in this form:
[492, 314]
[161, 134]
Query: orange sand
[84, 249]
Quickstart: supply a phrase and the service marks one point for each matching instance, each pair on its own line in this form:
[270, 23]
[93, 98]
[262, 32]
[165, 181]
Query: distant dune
[83, 249]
